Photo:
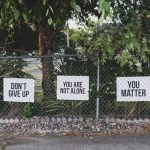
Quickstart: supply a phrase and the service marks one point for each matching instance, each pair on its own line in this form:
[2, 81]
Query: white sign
[18, 90]
[73, 87]
[133, 88]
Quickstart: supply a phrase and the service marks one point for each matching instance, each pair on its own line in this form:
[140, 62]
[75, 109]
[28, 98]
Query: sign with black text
[133, 88]
[73, 87]
[18, 90]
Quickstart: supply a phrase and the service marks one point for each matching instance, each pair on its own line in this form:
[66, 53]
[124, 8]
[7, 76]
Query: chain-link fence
[45, 70]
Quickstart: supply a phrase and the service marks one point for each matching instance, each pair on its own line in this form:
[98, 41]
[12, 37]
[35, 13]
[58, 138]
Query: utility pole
[98, 86]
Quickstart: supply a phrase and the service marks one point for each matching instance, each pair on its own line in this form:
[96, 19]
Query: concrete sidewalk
[81, 143]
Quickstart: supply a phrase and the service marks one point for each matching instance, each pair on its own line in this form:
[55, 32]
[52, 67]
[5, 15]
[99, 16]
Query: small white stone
[37, 120]
[53, 120]
[42, 120]
[1, 120]
[112, 120]
[26, 120]
[11, 120]
[90, 119]
[135, 120]
[58, 119]
[47, 119]
[16, 120]
[113, 124]
[6, 120]
[107, 119]
[75, 119]
[69, 120]
[141, 120]
[87, 120]
[118, 120]
[81, 119]
[64, 120]
[124, 120]
[146, 120]
[32, 120]
[129, 121]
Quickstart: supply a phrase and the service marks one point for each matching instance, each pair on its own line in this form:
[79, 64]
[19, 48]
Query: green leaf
[100, 2]
[138, 64]
[127, 36]
[131, 34]
[11, 21]
[131, 45]
[47, 12]
[51, 9]
[44, 2]
[38, 19]
[105, 6]
[50, 21]
[101, 6]
[0, 21]
[77, 8]
[58, 20]
[20, 1]
[25, 17]
[16, 14]
[130, 63]
[33, 27]
[73, 4]
[54, 25]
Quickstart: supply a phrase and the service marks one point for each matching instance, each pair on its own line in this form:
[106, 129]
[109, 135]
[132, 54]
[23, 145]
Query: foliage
[133, 18]
[33, 13]
[30, 109]
[11, 68]
[33, 109]
[115, 43]
[73, 65]
[117, 59]
[125, 41]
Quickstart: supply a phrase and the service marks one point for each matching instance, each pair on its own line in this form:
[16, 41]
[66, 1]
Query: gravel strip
[75, 126]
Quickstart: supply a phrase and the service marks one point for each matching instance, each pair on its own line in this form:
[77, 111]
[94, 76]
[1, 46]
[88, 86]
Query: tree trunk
[46, 51]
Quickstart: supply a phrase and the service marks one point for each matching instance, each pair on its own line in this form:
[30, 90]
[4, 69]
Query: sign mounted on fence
[18, 90]
[133, 88]
[72, 87]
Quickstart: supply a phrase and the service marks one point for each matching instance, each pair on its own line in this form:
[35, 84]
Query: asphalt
[81, 143]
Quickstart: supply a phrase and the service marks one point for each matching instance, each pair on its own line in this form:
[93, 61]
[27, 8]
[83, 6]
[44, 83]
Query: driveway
[81, 143]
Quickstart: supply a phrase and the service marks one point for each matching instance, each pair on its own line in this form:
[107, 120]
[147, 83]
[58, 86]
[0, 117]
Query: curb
[1, 147]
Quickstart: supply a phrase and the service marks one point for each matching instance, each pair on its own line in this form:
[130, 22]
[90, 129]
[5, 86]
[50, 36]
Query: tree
[133, 20]
[48, 16]
[126, 38]
[118, 59]
[45, 17]
[22, 42]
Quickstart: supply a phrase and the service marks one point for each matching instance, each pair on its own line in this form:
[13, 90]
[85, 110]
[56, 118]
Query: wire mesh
[44, 70]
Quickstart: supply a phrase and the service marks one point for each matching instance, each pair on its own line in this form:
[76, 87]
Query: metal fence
[44, 70]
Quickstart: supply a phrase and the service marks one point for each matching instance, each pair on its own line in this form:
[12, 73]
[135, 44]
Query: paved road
[81, 143]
